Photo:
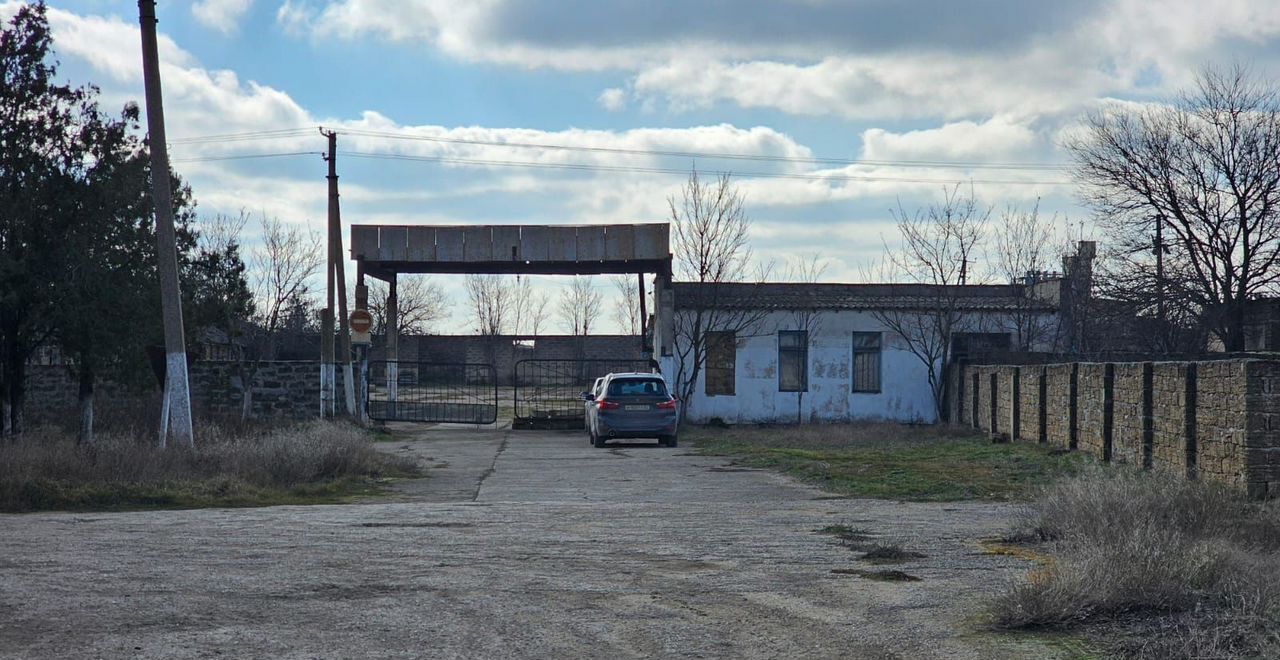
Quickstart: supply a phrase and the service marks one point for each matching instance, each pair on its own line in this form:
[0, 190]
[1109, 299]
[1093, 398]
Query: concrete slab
[518, 545]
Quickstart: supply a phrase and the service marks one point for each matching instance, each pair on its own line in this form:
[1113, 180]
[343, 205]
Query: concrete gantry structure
[387, 251]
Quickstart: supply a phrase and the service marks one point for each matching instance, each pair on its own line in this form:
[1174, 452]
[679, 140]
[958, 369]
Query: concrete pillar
[665, 316]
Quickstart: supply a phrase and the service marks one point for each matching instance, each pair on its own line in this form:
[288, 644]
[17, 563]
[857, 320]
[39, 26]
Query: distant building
[824, 352]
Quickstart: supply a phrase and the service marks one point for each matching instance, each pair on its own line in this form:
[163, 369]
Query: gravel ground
[518, 545]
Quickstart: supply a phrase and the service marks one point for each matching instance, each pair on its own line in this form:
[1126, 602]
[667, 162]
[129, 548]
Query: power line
[671, 170]
[937, 164]
[712, 155]
[206, 159]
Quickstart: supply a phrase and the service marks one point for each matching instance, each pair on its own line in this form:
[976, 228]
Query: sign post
[361, 323]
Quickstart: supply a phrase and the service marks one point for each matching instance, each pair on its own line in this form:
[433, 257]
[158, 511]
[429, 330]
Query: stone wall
[1217, 420]
[1059, 405]
[1030, 415]
[1129, 414]
[280, 389]
[1169, 391]
[1091, 409]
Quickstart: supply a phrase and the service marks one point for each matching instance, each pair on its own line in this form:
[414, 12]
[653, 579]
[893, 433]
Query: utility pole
[1159, 250]
[176, 417]
[338, 272]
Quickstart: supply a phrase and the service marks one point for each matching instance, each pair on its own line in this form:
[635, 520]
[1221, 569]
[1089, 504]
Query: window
[793, 361]
[722, 358]
[637, 387]
[866, 362]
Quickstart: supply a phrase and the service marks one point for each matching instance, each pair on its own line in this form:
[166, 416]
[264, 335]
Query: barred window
[793, 361]
[866, 362]
[722, 358]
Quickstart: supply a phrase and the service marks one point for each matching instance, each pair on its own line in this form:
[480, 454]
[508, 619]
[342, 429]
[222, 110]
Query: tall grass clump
[46, 469]
[1153, 566]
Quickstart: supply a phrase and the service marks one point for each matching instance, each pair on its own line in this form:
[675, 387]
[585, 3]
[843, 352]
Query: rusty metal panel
[534, 243]
[477, 243]
[506, 243]
[619, 242]
[393, 243]
[562, 244]
[364, 242]
[449, 241]
[422, 244]
[652, 241]
[591, 243]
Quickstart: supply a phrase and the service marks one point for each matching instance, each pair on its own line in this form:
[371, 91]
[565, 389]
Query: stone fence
[281, 389]
[1219, 420]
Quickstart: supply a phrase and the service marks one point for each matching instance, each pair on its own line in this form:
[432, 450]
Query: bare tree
[492, 303]
[579, 306]
[1202, 172]
[710, 247]
[530, 308]
[938, 244]
[284, 264]
[626, 307]
[421, 303]
[1025, 245]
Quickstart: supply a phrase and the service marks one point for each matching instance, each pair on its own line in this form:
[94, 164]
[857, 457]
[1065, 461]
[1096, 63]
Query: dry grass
[1152, 566]
[315, 461]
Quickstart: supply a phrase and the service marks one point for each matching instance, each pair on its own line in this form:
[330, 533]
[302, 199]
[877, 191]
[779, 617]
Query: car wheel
[668, 440]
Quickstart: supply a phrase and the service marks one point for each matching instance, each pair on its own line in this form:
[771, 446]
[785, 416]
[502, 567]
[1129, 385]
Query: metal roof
[852, 297]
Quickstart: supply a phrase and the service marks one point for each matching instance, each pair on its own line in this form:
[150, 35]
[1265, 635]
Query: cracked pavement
[519, 544]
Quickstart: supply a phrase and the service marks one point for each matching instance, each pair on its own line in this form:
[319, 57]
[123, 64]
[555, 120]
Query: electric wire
[930, 164]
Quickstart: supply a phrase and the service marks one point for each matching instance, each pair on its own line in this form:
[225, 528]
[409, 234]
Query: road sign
[361, 323]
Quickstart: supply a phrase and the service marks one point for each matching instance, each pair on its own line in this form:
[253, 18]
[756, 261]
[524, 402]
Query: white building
[832, 352]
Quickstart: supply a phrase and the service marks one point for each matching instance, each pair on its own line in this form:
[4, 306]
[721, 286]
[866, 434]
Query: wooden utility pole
[338, 271]
[176, 416]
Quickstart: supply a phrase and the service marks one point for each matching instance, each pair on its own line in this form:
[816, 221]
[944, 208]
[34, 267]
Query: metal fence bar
[462, 393]
[549, 390]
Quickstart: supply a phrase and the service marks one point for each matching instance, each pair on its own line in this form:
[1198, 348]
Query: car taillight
[668, 405]
[607, 405]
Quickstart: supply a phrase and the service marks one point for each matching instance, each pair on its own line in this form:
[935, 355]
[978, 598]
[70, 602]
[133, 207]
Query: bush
[46, 469]
[1158, 566]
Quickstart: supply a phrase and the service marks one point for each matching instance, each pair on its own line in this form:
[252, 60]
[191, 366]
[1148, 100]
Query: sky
[896, 100]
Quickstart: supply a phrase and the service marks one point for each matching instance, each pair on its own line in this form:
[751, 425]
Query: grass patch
[888, 575]
[892, 461]
[890, 554]
[1151, 566]
[315, 462]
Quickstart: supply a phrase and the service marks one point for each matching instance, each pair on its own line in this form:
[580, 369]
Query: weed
[879, 576]
[890, 553]
[1154, 566]
[316, 461]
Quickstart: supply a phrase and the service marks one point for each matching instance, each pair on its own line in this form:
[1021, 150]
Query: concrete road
[519, 545]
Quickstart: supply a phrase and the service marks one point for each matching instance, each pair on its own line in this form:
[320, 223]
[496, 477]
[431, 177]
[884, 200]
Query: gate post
[362, 391]
[393, 347]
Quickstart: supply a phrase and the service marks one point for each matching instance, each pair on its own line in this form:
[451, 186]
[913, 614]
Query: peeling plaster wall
[904, 396]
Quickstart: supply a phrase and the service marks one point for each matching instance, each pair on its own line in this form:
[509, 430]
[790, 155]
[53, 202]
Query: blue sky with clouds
[973, 85]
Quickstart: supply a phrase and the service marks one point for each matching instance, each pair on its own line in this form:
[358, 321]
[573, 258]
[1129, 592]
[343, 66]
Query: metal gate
[548, 392]
[432, 392]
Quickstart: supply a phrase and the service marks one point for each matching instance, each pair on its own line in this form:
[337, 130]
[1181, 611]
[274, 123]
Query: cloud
[859, 60]
[613, 99]
[221, 15]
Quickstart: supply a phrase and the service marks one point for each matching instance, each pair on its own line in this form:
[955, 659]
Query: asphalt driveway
[519, 545]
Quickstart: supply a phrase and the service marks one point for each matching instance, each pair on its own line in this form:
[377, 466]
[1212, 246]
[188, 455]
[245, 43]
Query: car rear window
[637, 387]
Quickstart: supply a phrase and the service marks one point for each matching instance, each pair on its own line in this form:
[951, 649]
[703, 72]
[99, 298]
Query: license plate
[636, 408]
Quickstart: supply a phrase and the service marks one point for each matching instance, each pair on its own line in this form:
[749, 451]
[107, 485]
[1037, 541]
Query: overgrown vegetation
[892, 461]
[1152, 566]
[45, 469]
